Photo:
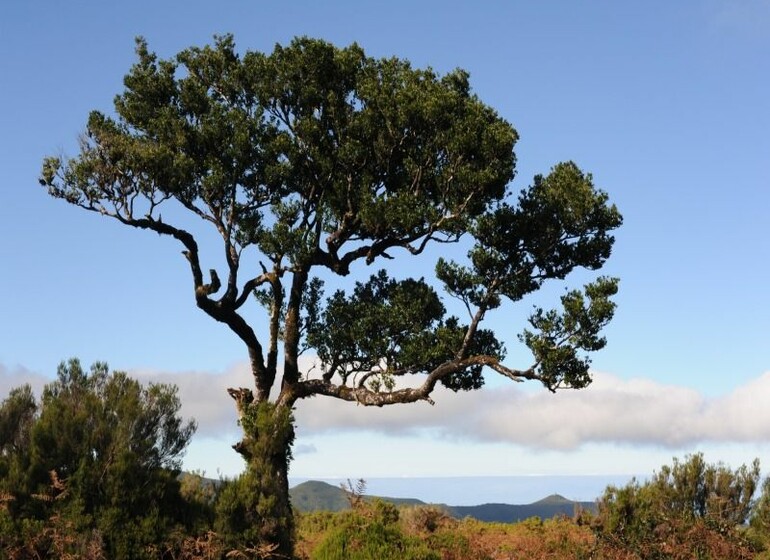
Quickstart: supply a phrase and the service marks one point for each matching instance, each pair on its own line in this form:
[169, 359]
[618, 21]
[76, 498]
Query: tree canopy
[315, 157]
[315, 161]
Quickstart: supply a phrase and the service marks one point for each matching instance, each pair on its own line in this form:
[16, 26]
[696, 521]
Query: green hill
[314, 495]
[547, 508]
[321, 496]
[553, 499]
[318, 496]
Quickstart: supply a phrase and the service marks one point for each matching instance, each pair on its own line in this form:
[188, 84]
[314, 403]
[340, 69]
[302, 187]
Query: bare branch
[250, 286]
[364, 396]
[212, 287]
[368, 375]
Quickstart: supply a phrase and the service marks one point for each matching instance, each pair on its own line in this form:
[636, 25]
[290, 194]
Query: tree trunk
[255, 510]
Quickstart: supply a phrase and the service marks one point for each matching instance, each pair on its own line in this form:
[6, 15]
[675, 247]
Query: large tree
[314, 162]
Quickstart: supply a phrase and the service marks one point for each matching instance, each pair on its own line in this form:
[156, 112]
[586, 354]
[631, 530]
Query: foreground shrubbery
[380, 531]
[690, 510]
[91, 471]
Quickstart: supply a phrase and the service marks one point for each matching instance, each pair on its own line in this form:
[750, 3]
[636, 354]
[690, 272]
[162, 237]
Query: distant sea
[473, 490]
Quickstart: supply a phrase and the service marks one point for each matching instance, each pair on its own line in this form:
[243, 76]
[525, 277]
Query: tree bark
[261, 514]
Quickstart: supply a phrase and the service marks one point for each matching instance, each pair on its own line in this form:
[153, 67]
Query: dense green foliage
[312, 162]
[97, 457]
[252, 510]
[689, 506]
[370, 532]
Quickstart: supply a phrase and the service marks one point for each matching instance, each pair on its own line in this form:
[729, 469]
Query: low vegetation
[91, 471]
[690, 510]
[379, 530]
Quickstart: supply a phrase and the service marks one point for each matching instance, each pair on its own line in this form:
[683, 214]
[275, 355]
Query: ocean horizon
[477, 490]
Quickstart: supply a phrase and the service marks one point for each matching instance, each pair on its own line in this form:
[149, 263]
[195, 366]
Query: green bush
[449, 542]
[371, 532]
[689, 508]
[91, 469]
[425, 519]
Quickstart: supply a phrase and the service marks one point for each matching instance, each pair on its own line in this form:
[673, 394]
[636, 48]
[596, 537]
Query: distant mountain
[318, 496]
[321, 496]
[551, 506]
[314, 495]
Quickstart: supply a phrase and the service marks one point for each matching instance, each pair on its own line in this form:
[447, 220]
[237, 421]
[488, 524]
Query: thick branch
[476, 320]
[365, 396]
[231, 252]
[262, 376]
[292, 327]
[162, 228]
[233, 262]
[276, 309]
[223, 313]
[252, 284]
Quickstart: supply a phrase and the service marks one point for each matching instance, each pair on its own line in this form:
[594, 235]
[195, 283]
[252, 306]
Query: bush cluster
[690, 509]
[91, 471]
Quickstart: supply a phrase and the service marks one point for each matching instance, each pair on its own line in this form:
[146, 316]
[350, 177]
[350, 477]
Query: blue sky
[665, 103]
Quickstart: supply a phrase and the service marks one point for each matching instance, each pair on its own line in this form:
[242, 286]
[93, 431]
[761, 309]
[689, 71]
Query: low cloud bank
[204, 395]
[611, 410]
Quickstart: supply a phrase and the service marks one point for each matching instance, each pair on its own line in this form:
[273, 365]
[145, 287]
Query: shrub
[371, 532]
[425, 519]
[72, 466]
[687, 510]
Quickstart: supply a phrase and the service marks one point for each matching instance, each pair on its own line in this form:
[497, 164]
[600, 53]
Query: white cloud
[304, 449]
[204, 395]
[612, 410]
